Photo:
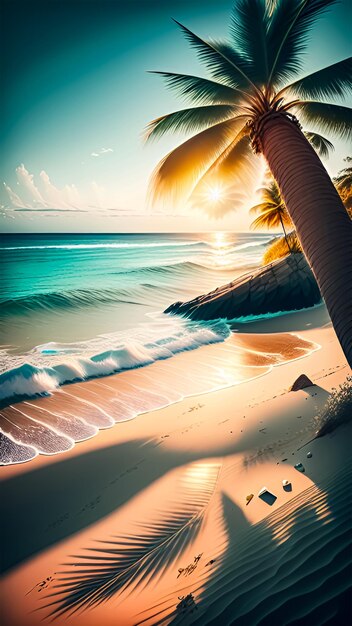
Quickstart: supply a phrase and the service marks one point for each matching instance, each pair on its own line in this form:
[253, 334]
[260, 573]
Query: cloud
[41, 196]
[14, 197]
[71, 195]
[53, 196]
[101, 152]
[26, 182]
[44, 197]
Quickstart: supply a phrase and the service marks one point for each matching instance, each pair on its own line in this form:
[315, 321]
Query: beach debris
[267, 497]
[287, 485]
[302, 382]
[300, 467]
[309, 455]
[186, 603]
[210, 562]
[249, 498]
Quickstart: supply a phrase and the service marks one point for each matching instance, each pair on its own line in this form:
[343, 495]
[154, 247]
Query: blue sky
[78, 95]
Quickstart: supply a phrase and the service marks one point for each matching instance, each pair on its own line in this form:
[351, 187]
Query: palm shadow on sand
[129, 562]
[295, 563]
[79, 491]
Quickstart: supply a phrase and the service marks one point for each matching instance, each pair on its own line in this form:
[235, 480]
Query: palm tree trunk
[321, 221]
[285, 234]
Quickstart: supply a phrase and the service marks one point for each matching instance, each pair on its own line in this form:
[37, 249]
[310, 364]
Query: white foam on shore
[29, 380]
[77, 412]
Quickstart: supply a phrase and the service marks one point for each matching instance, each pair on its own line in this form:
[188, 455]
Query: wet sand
[127, 513]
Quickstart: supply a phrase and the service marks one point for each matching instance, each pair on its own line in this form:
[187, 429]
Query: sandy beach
[154, 509]
[176, 313]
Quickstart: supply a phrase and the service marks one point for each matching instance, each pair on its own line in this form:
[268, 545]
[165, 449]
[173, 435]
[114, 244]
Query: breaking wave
[29, 380]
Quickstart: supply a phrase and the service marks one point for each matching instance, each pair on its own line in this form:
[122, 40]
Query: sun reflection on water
[221, 249]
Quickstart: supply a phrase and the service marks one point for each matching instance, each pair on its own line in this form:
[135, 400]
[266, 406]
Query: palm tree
[255, 101]
[343, 184]
[272, 211]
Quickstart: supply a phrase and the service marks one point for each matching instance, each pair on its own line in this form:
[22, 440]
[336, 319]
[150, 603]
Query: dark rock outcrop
[285, 285]
[302, 382]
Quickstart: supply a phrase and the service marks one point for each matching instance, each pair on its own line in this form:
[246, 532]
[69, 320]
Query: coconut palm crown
[272, 210]
[255, 101]
[343, 184]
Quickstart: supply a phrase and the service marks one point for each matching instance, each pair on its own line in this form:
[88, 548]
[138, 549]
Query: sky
[77, 96]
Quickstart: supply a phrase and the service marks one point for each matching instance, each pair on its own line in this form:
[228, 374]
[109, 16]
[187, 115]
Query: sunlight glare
[201, 474]
[215, 194]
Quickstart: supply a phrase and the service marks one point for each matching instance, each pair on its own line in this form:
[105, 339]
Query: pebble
[299, 467]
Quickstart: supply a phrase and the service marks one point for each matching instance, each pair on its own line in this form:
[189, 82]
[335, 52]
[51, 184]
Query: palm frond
[329, 118]
[131, 562]
[331, 81]
[343, 180]
[271, 219]
[249, 25]
[322, 145]
[271, 193]
[200, 90]
[261, 208]
[234, 165]
[239, 164]
[222, 61]
[272, 210]
[288, 34]
[178, 173]
[189, 120]
[271, 6]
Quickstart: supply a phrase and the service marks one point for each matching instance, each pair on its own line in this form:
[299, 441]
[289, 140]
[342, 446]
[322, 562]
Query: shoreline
[203, 455]
[252, 357]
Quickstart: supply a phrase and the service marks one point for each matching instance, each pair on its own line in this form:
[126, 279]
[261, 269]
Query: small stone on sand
[300, 467]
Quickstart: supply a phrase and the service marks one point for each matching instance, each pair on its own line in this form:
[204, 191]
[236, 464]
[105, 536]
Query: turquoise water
[68, 288]
[79, 307]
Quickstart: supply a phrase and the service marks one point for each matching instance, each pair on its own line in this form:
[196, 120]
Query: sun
[215, 194]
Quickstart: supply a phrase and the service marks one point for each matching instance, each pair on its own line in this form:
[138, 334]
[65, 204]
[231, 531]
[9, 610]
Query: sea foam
[29, 380]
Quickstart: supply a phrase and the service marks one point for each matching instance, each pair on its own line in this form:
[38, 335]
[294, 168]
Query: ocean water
[79, 307]
[64, 289]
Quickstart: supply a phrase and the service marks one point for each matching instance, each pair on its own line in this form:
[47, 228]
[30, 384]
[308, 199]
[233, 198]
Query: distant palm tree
[272, 211]
[250, 102]
[343, 184]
